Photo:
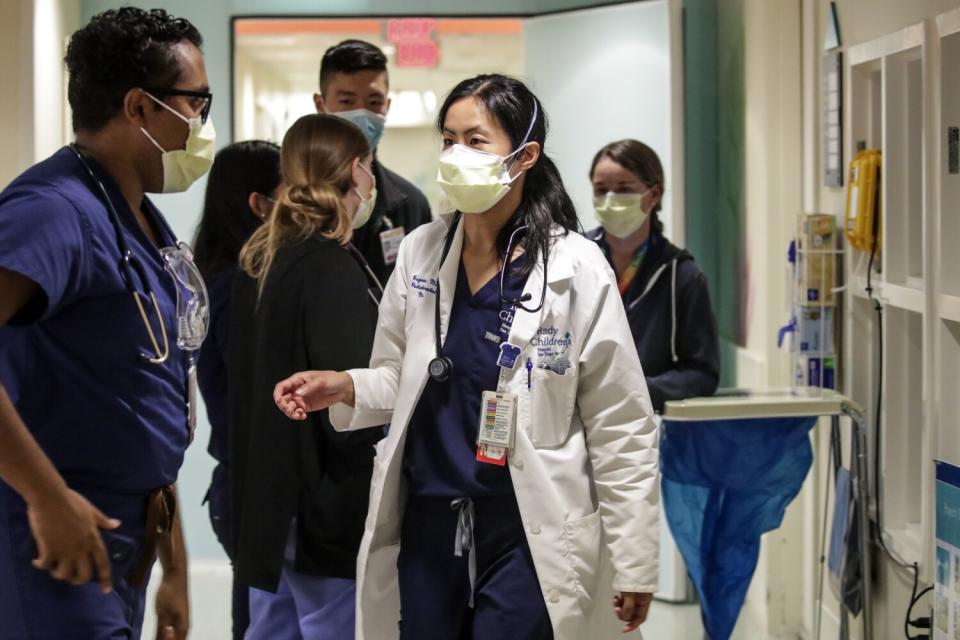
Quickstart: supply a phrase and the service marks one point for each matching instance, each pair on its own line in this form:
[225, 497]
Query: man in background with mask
[354, 85]
[94, 352]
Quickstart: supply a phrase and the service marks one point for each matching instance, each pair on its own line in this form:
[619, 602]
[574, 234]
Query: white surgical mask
[370, 124]
[474, 181]
[365, 210]
[183, 167]
[620, 213]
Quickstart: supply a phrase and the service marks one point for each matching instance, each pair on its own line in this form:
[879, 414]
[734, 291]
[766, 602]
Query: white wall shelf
[906, 544]
[888, 96]
[948, 372]
[950, 307]
[902, 297]
[949, 219]
[946, 259]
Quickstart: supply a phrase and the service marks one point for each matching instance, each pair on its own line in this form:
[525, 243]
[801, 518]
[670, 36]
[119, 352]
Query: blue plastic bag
[724, 484]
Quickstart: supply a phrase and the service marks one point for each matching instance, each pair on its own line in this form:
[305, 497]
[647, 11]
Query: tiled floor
[211, 612]
[669, 621]
[673, 622]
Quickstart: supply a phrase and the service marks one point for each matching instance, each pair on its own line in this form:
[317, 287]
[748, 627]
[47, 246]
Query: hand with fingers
[309, 391]
[172, 607]
[632, 608]
[67, 528]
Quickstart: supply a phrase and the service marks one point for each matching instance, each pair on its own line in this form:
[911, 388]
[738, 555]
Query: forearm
[172, 550]
[23, 464]
[679, 384]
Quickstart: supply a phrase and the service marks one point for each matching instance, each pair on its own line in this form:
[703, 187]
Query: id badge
[497, 427]
[390, 243]
[192, 401]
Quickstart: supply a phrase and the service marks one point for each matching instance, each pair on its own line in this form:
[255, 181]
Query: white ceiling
[296, 57]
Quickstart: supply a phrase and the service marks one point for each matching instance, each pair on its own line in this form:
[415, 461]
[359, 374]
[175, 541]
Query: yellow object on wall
[863, 201]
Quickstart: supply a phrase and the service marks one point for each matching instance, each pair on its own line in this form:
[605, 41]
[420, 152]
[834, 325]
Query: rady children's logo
[553, 349]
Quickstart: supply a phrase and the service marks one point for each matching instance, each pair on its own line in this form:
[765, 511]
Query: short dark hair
[119, 50]
[643, 162]
[351, 56]
[242, 168]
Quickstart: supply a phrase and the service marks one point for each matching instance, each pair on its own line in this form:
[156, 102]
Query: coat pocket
[552, 399]
[581, 547]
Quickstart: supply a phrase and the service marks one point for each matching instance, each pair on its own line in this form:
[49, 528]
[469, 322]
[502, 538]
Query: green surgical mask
[620, 213]
[183, 167]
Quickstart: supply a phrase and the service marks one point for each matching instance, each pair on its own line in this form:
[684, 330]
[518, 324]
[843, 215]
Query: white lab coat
[584, 466]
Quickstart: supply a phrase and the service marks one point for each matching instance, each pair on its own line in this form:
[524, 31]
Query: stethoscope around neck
[131, 268]
[441, 366]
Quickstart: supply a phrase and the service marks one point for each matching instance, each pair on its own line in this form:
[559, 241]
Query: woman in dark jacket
[664, 291]
[241, 190]
[305, 300]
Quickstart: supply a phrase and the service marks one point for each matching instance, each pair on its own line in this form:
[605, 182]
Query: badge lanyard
[371, 276]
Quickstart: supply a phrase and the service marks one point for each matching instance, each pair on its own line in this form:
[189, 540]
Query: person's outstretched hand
[308, 391]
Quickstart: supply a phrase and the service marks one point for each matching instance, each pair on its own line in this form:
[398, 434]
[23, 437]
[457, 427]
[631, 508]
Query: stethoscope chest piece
[440, 368]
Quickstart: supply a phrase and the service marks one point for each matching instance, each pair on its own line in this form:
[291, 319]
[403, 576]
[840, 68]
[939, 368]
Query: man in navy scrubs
[93, 382]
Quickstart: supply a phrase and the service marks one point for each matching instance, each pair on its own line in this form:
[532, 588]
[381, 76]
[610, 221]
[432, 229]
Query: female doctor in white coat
[521, 429]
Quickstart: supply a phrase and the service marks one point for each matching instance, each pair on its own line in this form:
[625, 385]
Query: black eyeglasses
[206, 96]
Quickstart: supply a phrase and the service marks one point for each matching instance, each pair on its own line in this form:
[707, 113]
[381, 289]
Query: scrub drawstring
[464, 539]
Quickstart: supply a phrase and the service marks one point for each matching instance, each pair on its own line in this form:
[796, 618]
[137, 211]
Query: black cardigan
[314, 313]
[671, 318]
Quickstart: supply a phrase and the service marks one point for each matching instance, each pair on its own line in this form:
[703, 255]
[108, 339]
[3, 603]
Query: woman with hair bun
[305, 300]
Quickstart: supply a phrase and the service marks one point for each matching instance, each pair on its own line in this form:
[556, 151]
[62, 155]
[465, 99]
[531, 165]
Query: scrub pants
[221, 520]
[435, 584]
[304, 607]
[36, 606]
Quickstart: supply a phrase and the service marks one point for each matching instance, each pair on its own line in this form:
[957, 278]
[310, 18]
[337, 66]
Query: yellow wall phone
[863, 201]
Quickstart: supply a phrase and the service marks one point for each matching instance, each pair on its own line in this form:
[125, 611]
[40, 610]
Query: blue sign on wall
[946, 609]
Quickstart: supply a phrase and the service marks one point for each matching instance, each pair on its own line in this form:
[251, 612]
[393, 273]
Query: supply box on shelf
[814, 307]
[816, 244]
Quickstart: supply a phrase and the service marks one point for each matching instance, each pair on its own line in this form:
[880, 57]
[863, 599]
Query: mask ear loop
[526, 138]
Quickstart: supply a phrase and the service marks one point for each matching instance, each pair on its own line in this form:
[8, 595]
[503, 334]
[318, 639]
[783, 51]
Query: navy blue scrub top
[440, 456]
[111, 422]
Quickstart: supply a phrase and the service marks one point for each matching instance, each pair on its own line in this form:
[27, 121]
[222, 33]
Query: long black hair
[545, 201]
[242, 168]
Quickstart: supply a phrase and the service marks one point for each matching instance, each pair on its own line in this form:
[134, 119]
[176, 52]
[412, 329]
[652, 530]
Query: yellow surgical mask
[473, 180]
[365, 209]
[620, 213]
[183, 167]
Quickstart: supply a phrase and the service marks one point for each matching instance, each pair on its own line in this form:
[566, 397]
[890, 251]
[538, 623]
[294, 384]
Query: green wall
[715, 153]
